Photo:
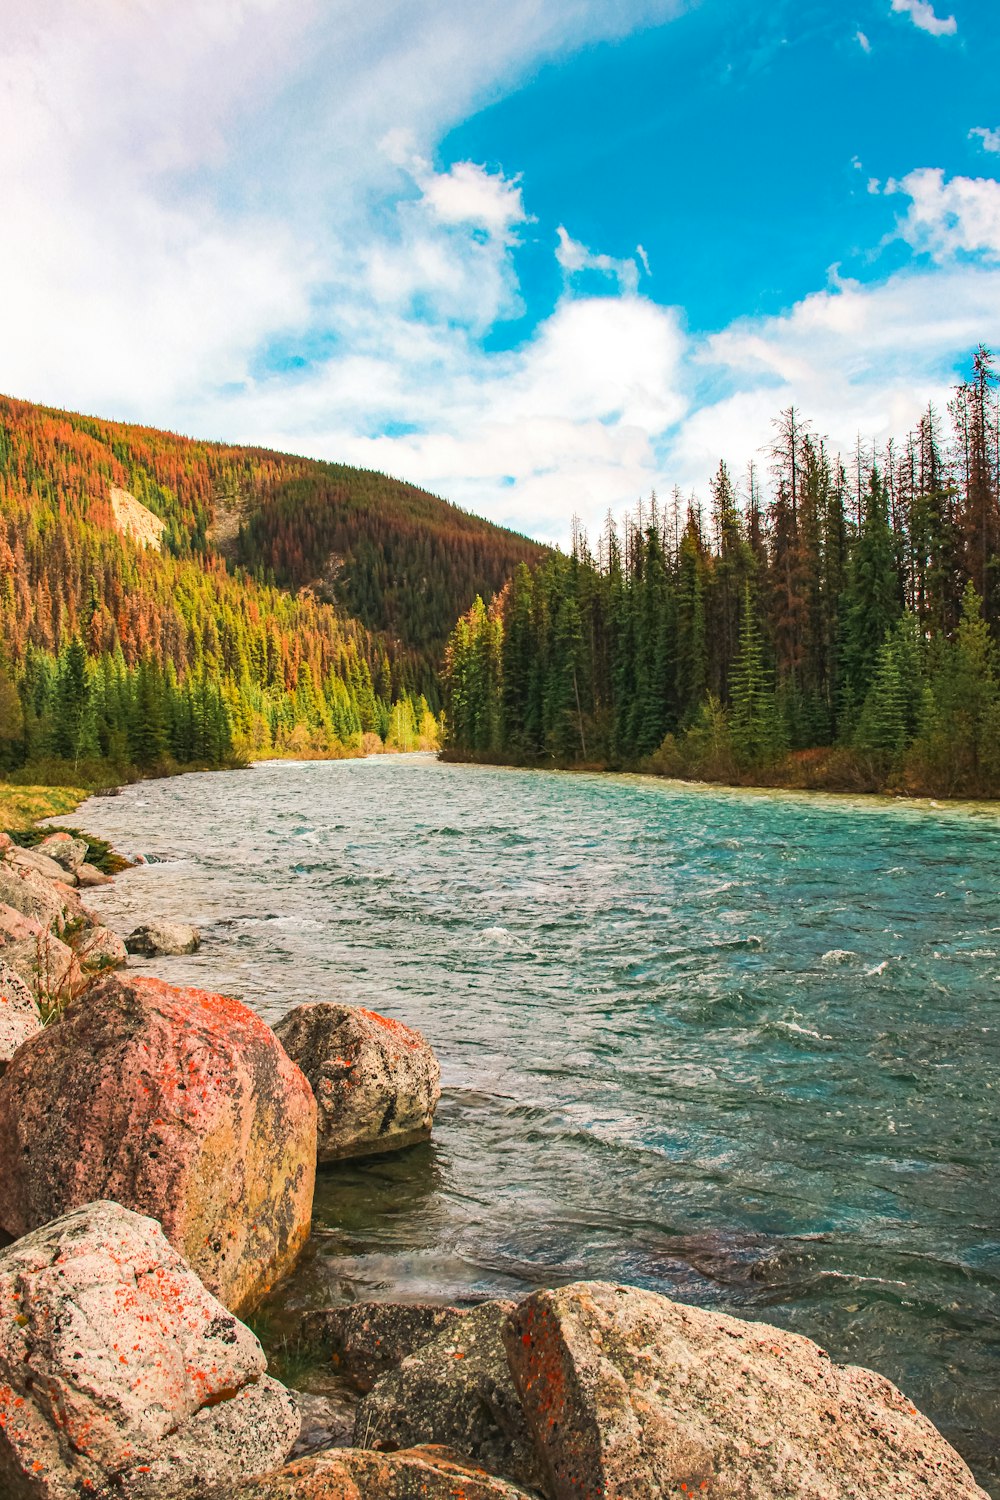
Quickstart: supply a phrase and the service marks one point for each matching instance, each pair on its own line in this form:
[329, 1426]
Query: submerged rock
[376, 1081]
[424, 1473]
[65, 850]
[366, 1339]
[455, 1390]
[632, 1395]
[175, 1103]
[119, 1373]
[19, 1015]
[161, 939]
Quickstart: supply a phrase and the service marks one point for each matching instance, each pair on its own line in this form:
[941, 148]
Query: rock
[456, 1390]
[19, 1015]
[65, 850]
[33, 859]
[632, 1395]
[174, 1103]
[425, 1473]
[6, 845]
[156, 939]
[50, 902]
[100, 948]
[46, 964]
[377, 1083]
[365, 1339]
[89, 875]
[326, 1422]
[120, 1374]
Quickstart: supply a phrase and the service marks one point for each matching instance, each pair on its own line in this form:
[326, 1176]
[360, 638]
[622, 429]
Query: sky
[541, 258]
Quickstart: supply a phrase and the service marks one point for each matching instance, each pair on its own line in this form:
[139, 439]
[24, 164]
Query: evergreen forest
[168, 602]
[828, 622]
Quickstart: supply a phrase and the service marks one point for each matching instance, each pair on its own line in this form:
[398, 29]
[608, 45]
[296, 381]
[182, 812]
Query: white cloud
[960, 214]
[988, 139]
[863, 41]
[574, 258]
[921, 13]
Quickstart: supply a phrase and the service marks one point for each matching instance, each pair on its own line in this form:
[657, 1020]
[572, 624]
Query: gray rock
[120, 1374]
[156, 939]
[65, 850]
[457, 1391]
[327, 1422]
[376, 1081]
[88, 876]
[19, 1015]
[42, 864]
[632, 1395]
[365, 1339]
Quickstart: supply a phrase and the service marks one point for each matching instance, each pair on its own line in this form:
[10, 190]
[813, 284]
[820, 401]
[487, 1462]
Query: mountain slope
[142, 612]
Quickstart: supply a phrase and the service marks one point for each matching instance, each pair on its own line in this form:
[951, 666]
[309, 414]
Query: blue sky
[541, 258]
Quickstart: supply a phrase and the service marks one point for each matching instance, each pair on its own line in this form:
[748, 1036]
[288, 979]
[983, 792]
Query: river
[739, 1047]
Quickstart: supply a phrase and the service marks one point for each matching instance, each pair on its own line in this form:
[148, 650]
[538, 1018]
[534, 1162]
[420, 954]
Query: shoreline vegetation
[836, 630]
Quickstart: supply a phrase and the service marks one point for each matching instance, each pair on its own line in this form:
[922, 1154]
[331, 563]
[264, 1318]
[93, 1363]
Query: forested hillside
[837, 627]
[143, 613]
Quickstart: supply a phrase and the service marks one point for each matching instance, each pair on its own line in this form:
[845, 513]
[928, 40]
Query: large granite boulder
[455, 1390]
[161, 939]
[364, 1340]
[425, 1473]
[120, 1374]
[632, 1395]
[19, 1015]
[48, 966]
[90, 875]
[66, 850]
[174, 1103]
[376, 1081]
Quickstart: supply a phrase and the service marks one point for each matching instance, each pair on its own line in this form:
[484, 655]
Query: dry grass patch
[21, 807]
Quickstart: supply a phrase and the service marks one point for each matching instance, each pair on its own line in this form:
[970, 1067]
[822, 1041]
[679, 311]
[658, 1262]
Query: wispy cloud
[988, 139]
[862, 41]
[574, 258]
[923, 16]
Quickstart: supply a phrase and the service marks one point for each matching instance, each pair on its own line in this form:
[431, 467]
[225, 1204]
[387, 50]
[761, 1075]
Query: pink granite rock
[175, 1103]
[120, 1374]
[631, 1395]
[19, 1015]
[66, 850]
[47, 965]
[41, 864]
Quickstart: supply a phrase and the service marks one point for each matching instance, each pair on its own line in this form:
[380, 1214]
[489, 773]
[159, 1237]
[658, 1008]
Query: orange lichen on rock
[176, 1103]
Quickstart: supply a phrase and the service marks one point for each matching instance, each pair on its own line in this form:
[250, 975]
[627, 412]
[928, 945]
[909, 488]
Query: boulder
[425, 1473]
[157, 939]
[89, 875]
[33, 859]
[100, 948]
[48, 966]
[120, 1374]
[365, 1339]
[50, 902]
[456, 1390]
[65, 850]
[19, 1015]
[377, 1082]
[174, 1103]
[630, 1394]
[6, 845]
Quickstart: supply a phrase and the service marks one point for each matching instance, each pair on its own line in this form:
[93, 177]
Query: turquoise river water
[739, 1047]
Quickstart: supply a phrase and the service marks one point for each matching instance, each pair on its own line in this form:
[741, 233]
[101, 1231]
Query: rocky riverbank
[158, 1152]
